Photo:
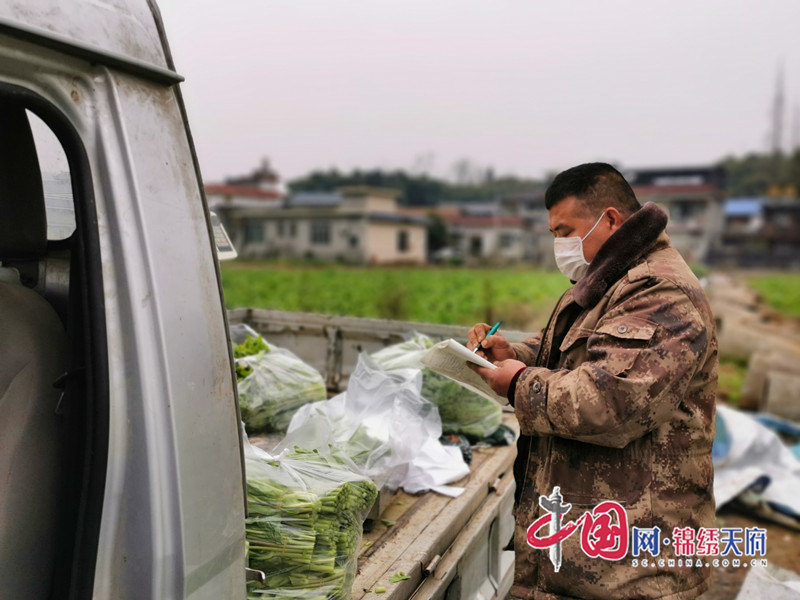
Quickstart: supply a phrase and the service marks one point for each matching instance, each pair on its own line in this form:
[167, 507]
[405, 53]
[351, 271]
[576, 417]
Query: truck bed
[448, 547]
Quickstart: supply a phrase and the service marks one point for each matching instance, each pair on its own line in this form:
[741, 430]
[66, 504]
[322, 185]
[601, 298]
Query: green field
[780, 291]
[521, 297]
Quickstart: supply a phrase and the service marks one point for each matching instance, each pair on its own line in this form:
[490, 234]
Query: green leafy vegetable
[250, 346]
[242, 371]
[273, 383]
[462, 411]
[399, 577]
[304, 525]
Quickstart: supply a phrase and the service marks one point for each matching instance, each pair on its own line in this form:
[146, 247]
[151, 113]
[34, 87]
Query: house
[760, 232]
[238, 198]
[530, 206]
[356, 224]
[496, 238]
[479, 232]
[740, 242]
[781, 232]
[743, 215]
[693, 199]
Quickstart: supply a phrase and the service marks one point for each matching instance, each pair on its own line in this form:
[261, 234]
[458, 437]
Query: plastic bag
[405, 355]
[462, 411]
[745, 453]
[384, 426]
[305, 516]
[273, 383]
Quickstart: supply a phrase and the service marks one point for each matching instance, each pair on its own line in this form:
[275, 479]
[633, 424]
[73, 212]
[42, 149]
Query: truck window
[54, 378]
[57, 184]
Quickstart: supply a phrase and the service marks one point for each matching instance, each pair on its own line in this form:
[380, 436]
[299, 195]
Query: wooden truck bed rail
[446, 545]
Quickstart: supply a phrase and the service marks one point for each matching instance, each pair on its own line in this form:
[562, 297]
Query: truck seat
[32, 357]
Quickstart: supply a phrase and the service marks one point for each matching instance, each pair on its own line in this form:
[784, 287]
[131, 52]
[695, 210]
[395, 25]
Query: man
[615, 399]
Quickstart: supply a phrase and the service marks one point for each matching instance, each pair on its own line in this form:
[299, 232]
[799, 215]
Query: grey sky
[524, 87]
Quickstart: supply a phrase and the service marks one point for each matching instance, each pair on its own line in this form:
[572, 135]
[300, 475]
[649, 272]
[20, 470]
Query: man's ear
[615, 218]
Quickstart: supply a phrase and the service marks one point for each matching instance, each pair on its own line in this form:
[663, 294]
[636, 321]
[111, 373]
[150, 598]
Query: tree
[438, 237]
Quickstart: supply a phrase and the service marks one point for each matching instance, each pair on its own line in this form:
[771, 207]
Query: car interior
[53, 371]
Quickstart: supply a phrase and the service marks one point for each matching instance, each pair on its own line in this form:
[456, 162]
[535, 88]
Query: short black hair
[596, 185]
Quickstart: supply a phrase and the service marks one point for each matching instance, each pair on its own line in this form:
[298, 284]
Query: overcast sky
[524, 87]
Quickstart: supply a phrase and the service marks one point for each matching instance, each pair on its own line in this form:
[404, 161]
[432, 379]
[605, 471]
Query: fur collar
[628, 243]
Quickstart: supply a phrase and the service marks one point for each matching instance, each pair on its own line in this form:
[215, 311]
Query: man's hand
[495, 347]
[500, 378]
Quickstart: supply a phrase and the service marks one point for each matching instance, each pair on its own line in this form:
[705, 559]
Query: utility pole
[776, 135]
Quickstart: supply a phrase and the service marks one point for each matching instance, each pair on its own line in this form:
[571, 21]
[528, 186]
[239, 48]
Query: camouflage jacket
[618, 404]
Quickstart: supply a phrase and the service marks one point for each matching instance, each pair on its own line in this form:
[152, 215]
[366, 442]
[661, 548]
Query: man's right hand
[495, 347]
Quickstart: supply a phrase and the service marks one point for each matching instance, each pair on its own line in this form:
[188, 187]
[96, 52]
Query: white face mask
[569, 254]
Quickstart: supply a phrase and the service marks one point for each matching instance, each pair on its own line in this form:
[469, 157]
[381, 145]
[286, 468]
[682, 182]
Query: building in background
[781, 232]
[239, 201]
[356, 224]
[759, 232]
[362, 224]
[692, 197]
[531, 208]
[492, 238]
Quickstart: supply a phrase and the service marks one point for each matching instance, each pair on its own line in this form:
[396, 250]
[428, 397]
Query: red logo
[604, 529]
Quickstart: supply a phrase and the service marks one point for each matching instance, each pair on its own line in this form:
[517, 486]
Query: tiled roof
[743, 207]
[397, 218]
[662, 190]
[465, 221]
[218, 189]
[314, 199]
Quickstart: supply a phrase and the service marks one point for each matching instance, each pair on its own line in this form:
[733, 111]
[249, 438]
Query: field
[521, 297]
[780, 291]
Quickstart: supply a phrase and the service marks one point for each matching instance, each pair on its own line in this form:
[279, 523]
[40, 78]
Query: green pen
[492, 331]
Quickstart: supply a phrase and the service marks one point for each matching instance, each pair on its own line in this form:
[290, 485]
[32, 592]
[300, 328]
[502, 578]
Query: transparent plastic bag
[384, 426]
[462, 411]
[273, 382]
[305, 517]
[405, 355]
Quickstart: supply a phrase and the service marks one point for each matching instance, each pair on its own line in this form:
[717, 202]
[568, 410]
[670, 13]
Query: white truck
[121, 457]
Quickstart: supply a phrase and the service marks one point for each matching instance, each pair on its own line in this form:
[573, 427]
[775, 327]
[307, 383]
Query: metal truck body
[156, 492]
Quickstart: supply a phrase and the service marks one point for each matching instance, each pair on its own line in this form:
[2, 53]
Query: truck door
[136, 490]
[55, 386]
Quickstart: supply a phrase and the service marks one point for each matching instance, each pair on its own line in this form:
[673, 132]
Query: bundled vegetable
[252, 344]
[304, 526]
[463, 412]
[273, 383]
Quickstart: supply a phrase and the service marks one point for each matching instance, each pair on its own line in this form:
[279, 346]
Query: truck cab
[121, 450]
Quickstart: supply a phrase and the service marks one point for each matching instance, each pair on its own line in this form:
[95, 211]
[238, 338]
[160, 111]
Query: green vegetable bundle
[304, 526]
[273, 383]
[462, 411]
[250, 346]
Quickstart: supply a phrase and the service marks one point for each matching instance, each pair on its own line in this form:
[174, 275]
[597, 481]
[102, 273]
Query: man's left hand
[500, 378]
